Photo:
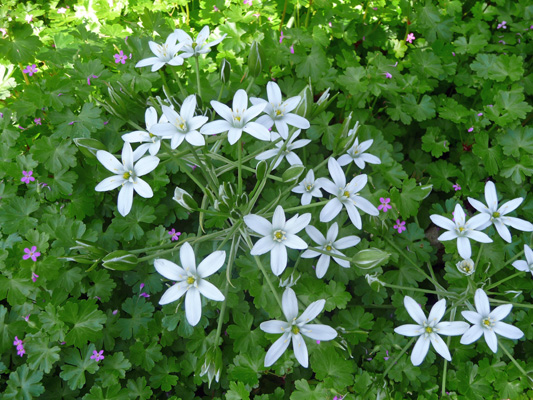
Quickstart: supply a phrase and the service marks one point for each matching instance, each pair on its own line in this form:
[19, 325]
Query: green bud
[374, 282]
[255, 59]
[85, 259]
[305, 106]
[91, 247]
[120, 260]
[212, 365]
[225, 71]
[89, 146]
[184, 199]
[292, 173]
[260, 170]
[370, 258]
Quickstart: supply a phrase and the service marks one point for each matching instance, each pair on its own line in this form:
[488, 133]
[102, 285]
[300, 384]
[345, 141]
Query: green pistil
[295, 330]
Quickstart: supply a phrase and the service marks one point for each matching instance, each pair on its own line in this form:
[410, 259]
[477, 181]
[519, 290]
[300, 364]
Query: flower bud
[184, 199]
[370, 258]
[305, 106]
[466, 267]
[255, 59]
[120, 260]
[212, 365]
[293, 173]
[374, 282]
[225, 71]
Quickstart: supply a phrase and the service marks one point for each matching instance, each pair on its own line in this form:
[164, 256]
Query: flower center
[278, 112]
[194, 44]
[496, 215]
[295, 330]
[279, 236]
[487, 323]
[309, 187]
[328, 247]
[190, 280]
[151, 134]
[346, 193]
[429, 329]
[127, 175]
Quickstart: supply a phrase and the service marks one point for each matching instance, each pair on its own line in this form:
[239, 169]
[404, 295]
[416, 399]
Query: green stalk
[239, 167]
[250, 84]
[518, 366]
[197, 65]
[398, 357]
[514, 304]
[203, 168]
[166, 90]
[308, 13]
[178, 81]
[413, 289]
[504, 280]
[445, 371]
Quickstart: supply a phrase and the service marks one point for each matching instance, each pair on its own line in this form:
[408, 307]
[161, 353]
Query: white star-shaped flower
[183, 126]
[309, 187]
[294, 328]
[462, 230]
[527, 264]
[154, 141]
[288, 154]
[196, 47]
[429, 329]
[127, 175]
[277, 236]
[331, 244]
[278, 112]
[497, 215]
[488, 323]
[237, 119]
[190, 280]
[357, 154]
[164, 54]
[347, 195]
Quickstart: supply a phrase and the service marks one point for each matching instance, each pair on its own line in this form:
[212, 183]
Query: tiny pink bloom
[33, 254]
[37, 121]
[490, 105]
[34, 277]
[257, 15]
[502, 25]
[456, 187]
[292, 49]
[21, 351]
[4, 31]
[501, 41]
[120, 57]
[453, 53]
[215, 8]
[400, 225]
[30, 69]
[281, 37]
[61, 10]
[175, 235]
[387, 357]
[27, 317]
[249, 2]
[89, 79]
[385, 206]
[27, 178]
[471, 129]
[97, 355]
[387, 75]
[115, 312]
[480, 114]
[318, 342]
[17, 341]
[410, 38]
[28, 18]
[329, 23]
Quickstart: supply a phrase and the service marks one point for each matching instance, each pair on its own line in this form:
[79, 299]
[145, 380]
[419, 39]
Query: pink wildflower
[30, 69]
[20, 346]
[502, 25]
[471, 129]
[249, 2]
[92, 76]
[410, 38]
[27, 178]
[292, 49]
[33, 253]
[34, 277]
[120, 57]
[387, 75]
[281, 37]
[400, 226]
[97, 355]
[456, 187]
[61, 10]
[175, 235]
[37, 121]
[385, 206]
[143, 294]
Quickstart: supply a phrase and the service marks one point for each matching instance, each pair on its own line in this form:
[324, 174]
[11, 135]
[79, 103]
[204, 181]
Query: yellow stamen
[346, 193]
[496, 215]
[295, 330]
[429, 329]
[328, 248]
[126, 175]
[190, 280]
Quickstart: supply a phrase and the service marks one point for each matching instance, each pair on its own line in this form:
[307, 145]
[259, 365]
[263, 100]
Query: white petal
[409, 330]
[328, 186]
[136, 137]
[278, 259]
[318, 332]
[463, 247]
[273, 93]
[278, 219]
[240, 100]
[366, 206]
[282, 128]
[265, 155]
[165, 130]
[293, 159]
[143, 188]
[234, 134]
[146, 165]
[262, 246]
[147, 61]
[300, 350]
[176, 140]
[529, 254]
[503, 231]
[211, 264]
[508, 331]
[310, 254]
[336, 172]
[477, 221]
[311, 312]
[110, 183]
[354, 215]
[448, 235]
[195, 138]
[188, 106]
[169, 270]
[174, 293]
[315, 235]
[472, 317]
[187, 258]
[289, 304]
[472, 334]
[491, 339]
[479, 236]
[157, 65]
[454, 328]
[459, 215]
[370, 158]
[345, 159]
[521, 265]
[414, 310]
[277, 349]
[479, 206]
[330, 210]
[294, 242]
[501, 312]
[125, 199]
[322, 265]
[223, 110]
[258, 131]
[420, 350]
[215, 127]
[296, 121]
[258, 224]
[274, 327]
[490, 195]
[358, 183]
[296, 224]
[193, 306]
[518, 223]
[210, 291]
[109, 161]
[437, 312]
[482, 303]
[440, 347]
[291, 103]
[196, 122]
[443, 222]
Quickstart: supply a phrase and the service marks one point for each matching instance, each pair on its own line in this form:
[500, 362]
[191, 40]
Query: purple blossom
[115, 312]
[27, 317]
[249, 2]
[400, 225]
[61, 10]
[4, 31]
[33, 253]
[281, 37]
[480, 114]
[471, 129]
[387, 75]
[37, 121]
[215, 8]
[71, 122]
[292, 49]
[34, 277]
[175, 235]
[120, 57]
[89, 79]
[143, 294]
[27, 178]
[453, 53]
[410, 38]
[384, 206]
[97, 355]
[456, 187]
[20, 346]
[30, 69]
[387, 357]
[502, 25]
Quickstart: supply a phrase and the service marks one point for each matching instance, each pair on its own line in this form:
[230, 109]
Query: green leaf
[114, 392]
[337, 296]
[102, 285]
[56, 155]
[146, 356]
[141, 314]
[237, 391]
[86, 320]
[331, 368]
[408, 200]
[16, 290]
[73, 371]
[421, 111]
[426, 63]
[441, 173]
[312, 65]
[305, 392]
[498, 68]
[15, 215]
[77, 126]
[40, 355]
[248, 366]
[21, 45]
[245, 338]
[24, 384]
[514, 140]
[434, 142]
[162, 375]
[356, 323]
[451, 110]
[129, 226]
[510, 106]
[491, 156]
[517, 171]
[476, 42]
[138, 390]
[114, 368]
[354, 79]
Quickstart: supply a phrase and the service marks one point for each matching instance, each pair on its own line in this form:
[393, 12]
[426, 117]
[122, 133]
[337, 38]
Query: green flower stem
[329, 253]
[477, 261]
[435, 283]
[197, 65]
[445, 369]
[308, 13]
[413, 289]
[300, 208]
[250, 84]
[166, 90]
[178, 81]
[239, 167]
[26, 77]
[398, 357]
[234, 164]
[514, 304]
[504, 280]
[262, 268]
[206, 172]
[517, 365]
[136, 126]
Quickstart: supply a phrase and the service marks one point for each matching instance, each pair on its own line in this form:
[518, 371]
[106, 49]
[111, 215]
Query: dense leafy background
[456, 110]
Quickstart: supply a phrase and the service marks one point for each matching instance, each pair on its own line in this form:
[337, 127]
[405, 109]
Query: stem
[414, 289]
[250, 84]
[178, 81]
[398, 356]
[514, 304]
[329, 253]
[299, 208]
[308, 13]
[203, 168]
[477, 258]
[445, 371]
[508, 354]
[239, 167]
[26, 77]
[283, 15]
[504, 280]
[165, 84]
[197, 64]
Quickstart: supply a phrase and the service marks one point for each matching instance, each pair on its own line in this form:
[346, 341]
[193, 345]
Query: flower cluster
[20, 346]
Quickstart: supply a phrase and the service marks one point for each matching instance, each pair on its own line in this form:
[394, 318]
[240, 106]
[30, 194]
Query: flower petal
[297, 223]
[109, 161]
[223, 110]
[479, 206]
[212, 128]
[315, 235]
[234, 134]
[472, 334]
[318, 332]
[187, 258]
[463, 247]
[262, 246]
[507, 330]
[491, 339]
[296, 121]
[366, 206]
[490, 196]
[193, 306]
[174, 293]
[459, 215]
[354, 215]
[336, 172]
[521, 265]
[210, 291]
[443, 222]
[518, 223]
[277, 349]
[109, 183]
[188, 107]
[278, 219]
[294, 242]
[195, 138]
[414, 310]
[454, 328]
[125, 199]
[322, 265]
[501, 312]
[448, 235]
[258, 224]
[211, 264]
[274, 326]
[273, 93]
[472, 317]
[437, 312]
[440, 347]
[278, 259]
[146, 165]
[409, 330]
[300, 350]
[420, 350]
[481, 301]
[169, 270]
[480, 236]
[289, 303]
[311, 312]
[240, 101]
[330, 210]
[143, 188]
[258, 131]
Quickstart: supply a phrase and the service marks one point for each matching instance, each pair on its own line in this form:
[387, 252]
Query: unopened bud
[184, 199]
[370, 258]
[466, 267]
[255, 59]
[374, 282]
[225, 71]
[305, 106]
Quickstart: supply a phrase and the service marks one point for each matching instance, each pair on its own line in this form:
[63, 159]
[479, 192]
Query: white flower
[237, 119]
[309, 187]
[182, 127]
[278, 111]
[190, 280]
[354, 130]
[467, 266]
[277, 236]
[199, 46]
[357, 154]
[294, 328]
[429, 329]
[497, 215]
[525, 265]
[488, 323]
[347, 195]
[462, 230]
[126, 175]
[164, 54]
[288, 153]
[154, 141]
[329, 243]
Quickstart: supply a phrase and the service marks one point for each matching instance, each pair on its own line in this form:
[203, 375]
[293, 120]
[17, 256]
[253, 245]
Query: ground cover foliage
[442, 88]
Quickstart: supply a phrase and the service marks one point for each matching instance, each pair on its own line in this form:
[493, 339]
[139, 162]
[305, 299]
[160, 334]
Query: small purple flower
[120, 57]
[249, 2]
[480, 114]
[30, 69]
[490, 105]
[400, 225]
[97, 355]
[33, 253]
[410, 38]
[34, 276]
[318, 342]
[387, 357]
[501, 41]
[71, 122]
[27, 178]
[143, 294]
[387, 75]
[456, 187]
[471, 129]
[175, 235]
[106, 122]
[61, 10]
[27, 317]
[115, 312]
[37, 121]
[20, 346]
[502, 25]
[384, 206]
[89, 79]
[281, 37]
[453, 53]
[291, 49]
[215, 8]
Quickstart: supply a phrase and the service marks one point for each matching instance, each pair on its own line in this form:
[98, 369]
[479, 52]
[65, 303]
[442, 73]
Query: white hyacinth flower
[347, 195]
[190, 280]
[331, 244]
[198, 46]
[183, 126]
[237, 119]
[429, 329]
[294, 328]
[164, 54]
[462, 230]
[357, 154]
[278, 112]
[126, 175]
[488, 323]
[309, 188]
[277, 236]
[288, 154]
[527, 264]
[151, 142]
[497, 215]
